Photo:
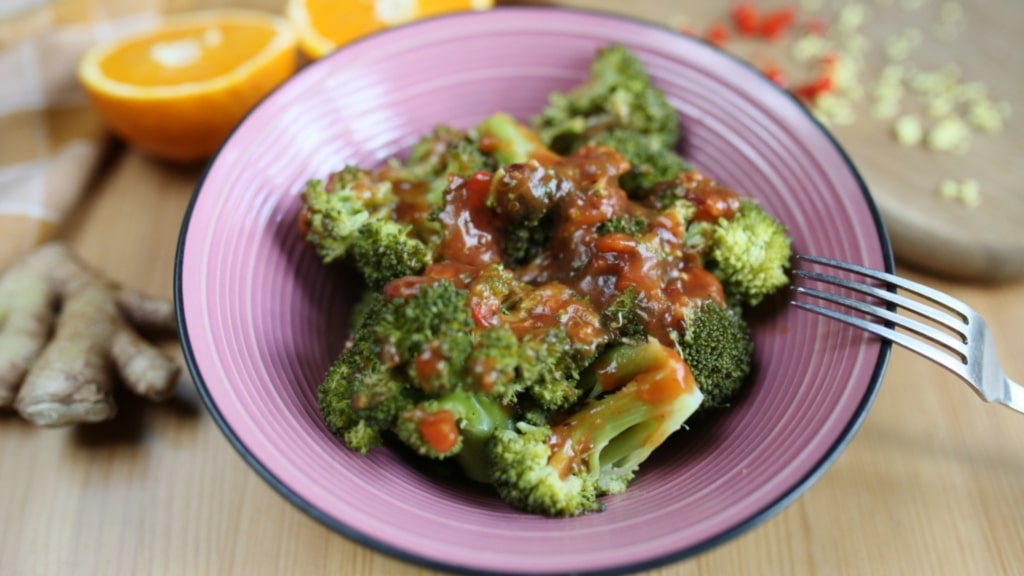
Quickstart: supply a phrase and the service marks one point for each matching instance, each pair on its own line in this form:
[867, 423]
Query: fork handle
[1014, 395]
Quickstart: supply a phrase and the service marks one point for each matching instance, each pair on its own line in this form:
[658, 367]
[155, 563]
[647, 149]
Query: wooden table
[933, 483]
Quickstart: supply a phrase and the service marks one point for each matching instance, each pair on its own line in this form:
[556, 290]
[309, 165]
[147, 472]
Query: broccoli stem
[510, 142]
[618, 365]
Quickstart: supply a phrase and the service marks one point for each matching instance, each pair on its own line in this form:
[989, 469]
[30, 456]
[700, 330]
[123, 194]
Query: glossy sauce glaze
[580, 271]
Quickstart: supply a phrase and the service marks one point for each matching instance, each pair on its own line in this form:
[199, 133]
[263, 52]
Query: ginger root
[66, 333]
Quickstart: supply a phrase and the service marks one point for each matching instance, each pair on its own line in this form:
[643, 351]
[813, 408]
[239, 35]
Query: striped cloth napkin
[51, 142]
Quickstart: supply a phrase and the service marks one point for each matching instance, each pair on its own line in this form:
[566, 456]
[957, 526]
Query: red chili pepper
[775, 24]
[745, 18]
[775, 74]
[717, 34]
[809, 92]
[478, 188]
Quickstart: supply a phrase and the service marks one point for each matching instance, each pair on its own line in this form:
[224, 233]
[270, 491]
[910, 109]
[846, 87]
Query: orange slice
[176, 92]
[323, 25]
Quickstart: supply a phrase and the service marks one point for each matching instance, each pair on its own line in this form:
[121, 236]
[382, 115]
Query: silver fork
[967, 349]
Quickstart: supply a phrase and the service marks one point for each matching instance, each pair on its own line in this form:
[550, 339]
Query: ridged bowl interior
[262, 319]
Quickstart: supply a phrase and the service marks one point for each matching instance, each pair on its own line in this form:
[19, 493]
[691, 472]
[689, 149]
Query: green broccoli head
[359, 398]
[651, 160]
[562, 469]
[493, 365]
[424, 174]
[412, 357]
[624, 316]
[428, 336]
[443, 150]
[549, 368]
[750, 253]
[718, 349]
[522, 473]
[385, 250]
[617, 95]
[401, 352]
[341, 418]
[633, 226]
[335, 211]
[457, 425]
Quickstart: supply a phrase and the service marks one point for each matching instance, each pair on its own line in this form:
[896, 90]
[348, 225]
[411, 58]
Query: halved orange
[323, 25]
[176, 92]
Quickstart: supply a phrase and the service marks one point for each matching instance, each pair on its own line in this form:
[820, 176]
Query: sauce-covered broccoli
[561, 469]
[546, 304]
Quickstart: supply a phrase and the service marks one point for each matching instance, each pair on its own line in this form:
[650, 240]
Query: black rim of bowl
[356, 535]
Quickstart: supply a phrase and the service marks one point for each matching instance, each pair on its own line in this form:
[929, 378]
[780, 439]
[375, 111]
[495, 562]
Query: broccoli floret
[553, 351]
[750, 253]
[353, 215]
[358, 365]
[651, 159]
[457, 425]
[429, 334]
[524, 240]
[718, 349]
[411, 353]
[385, 250]
[403, 350]
[624, 224]
[520, 356]
[492, 366]
[562, 469]
[699, 237]
[624, 316]
[549, 368]
[335, 211]
[524, 473]
[368, 302]
[335, 402]
[617, 95]
[444, 151]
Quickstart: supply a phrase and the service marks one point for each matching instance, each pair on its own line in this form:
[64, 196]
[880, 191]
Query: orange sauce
[666, 382]
[470, 227]
[581, 271]
[428, 365]
[439, 430]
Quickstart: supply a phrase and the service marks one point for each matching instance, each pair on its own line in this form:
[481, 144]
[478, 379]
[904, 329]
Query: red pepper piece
[776, 23]
[717, 34]
[808, 92]
[479, 186]
[746, 19]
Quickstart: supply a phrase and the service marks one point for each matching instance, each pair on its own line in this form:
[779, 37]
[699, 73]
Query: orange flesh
[134, 63]
[337, 22]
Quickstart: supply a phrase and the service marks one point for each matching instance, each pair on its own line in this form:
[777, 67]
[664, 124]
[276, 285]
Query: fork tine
[956, 324]
[954, 345]
[912, 344]
[930, 293]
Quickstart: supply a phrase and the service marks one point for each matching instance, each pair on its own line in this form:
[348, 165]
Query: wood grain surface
[935, 234]
[933, 484]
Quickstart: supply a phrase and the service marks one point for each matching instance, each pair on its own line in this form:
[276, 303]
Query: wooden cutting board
[935, 234]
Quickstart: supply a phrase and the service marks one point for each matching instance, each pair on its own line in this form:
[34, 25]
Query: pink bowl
[261, 319]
